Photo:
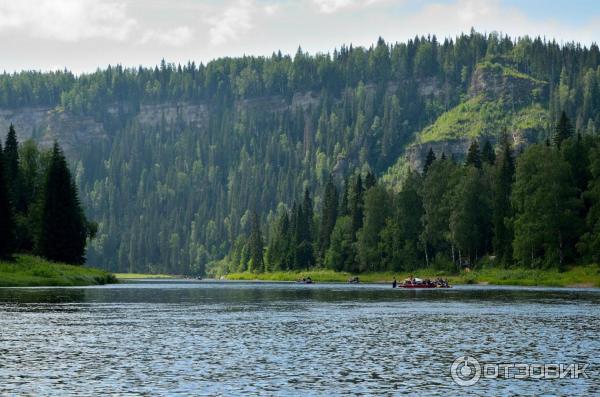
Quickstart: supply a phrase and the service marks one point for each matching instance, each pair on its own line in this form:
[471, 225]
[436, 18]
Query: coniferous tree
[487, 153]
[437, 194]
[292, 254]
[564, 129]
[377, 211]
[429, 160]
[474, 155]
[356, 205]
[501, 207]
[328, 217]
[345, 204]
[370, 180]
[400, 237]
[63, 231]
[7, 221]
[304, 249]
[13, 175]
[256, 245]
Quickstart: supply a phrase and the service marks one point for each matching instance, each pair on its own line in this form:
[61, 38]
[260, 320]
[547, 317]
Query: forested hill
[172, 160]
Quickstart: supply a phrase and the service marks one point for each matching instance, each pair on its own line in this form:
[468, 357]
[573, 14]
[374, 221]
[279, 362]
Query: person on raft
[394, 283]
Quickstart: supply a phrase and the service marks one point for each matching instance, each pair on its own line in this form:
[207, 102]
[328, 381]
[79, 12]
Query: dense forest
[40, 212]
[540, 209]
[252, 134]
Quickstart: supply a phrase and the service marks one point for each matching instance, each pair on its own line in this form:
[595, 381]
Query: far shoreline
[578, 277]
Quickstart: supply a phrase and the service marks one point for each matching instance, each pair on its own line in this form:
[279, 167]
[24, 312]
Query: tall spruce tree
[328, 217]
[304, 248]
[256, 247]
[487, 153]
[370, 180]
[7, 216]
[501, 207]
[345, 204]
[474, 155]
[356, 205]
[429, 160]
[13, 175]
[63, 231]
[564, 129]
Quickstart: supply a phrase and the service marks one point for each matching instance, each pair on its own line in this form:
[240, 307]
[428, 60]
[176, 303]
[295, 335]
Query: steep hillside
[500, 100]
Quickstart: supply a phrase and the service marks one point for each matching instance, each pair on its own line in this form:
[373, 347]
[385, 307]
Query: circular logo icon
[465, 371]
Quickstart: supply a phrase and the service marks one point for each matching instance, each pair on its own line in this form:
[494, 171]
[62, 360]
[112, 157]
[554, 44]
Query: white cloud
[234, 20]
[67, 20]
[271, 9]
[331, 6]
[176, 37]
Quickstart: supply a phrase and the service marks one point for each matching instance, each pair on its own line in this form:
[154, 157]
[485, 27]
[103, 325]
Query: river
[240, 338]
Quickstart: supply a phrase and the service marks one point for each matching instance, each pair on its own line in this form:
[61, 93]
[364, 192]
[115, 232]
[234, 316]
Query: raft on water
[419, 283]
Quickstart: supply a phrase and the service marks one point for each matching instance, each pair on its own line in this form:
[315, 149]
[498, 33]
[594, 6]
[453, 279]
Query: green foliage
[341, 255]
[479, 116]
[470, 217]
[437, 194]
[590, 241]
[377, 211]
[546, 204]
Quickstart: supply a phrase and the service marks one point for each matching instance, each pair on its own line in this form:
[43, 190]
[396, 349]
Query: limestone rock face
[495, 81]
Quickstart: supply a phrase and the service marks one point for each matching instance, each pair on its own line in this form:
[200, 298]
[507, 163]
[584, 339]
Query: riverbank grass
[133, 276]
[33, 271]
[578, 276]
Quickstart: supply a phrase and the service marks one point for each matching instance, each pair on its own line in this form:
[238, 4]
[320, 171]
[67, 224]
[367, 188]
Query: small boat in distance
[305, 280]
[412, 282]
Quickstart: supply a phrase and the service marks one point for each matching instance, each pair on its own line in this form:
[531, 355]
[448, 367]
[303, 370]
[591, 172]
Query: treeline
[40, 212]
[540, 209]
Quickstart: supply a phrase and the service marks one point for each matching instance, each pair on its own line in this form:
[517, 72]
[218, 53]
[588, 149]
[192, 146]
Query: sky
[83, 35]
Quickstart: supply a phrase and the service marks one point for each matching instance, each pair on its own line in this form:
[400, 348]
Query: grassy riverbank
[132, 276]
[578, 276]
[32, 271]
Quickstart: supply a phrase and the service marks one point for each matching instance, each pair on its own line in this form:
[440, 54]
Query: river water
[203, 338]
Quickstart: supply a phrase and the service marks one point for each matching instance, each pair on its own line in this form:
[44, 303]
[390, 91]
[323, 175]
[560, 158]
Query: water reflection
[260, 338]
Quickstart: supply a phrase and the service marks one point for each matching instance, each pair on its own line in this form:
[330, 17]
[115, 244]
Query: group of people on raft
[412, 282]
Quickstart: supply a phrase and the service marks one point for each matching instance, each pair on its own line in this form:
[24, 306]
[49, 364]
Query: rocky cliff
[500, 100]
